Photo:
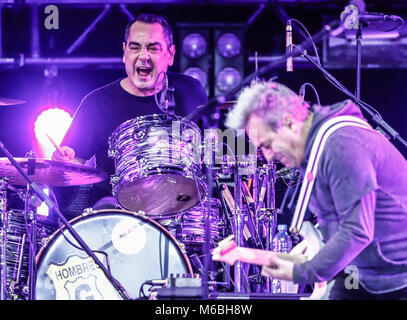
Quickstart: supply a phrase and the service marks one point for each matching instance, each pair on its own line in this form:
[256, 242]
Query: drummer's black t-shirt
[105, 108]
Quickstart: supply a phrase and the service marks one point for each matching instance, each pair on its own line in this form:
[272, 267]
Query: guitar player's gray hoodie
[360, 200]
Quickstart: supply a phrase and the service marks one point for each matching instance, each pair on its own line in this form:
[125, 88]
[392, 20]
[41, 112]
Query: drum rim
[201, 184]
[158, 171]
[90, 213]
[159, 117]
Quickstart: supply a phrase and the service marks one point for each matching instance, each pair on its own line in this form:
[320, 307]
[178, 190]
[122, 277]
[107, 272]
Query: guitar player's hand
[279, 267]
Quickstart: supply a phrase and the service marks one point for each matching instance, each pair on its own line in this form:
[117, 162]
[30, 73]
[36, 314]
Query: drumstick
[55, 144]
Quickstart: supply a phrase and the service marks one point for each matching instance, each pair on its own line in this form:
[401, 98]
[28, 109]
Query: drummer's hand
[64, 153]
[279, 267]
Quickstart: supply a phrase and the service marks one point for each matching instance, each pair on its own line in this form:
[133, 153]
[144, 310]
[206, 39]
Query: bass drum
[134, 248]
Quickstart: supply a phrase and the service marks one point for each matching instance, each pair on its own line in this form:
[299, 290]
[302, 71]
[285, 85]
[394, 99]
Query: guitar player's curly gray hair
[268, 100]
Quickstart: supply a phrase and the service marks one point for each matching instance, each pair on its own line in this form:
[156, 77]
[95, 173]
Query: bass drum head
[134, 248]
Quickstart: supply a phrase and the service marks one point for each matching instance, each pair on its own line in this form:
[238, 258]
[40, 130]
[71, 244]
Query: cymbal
[10, 102]
[50, 172]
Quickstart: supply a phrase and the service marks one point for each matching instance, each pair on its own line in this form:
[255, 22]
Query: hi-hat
[50, 172]
[10, 102]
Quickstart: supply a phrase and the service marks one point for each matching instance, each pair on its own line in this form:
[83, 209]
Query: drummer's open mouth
[143, 71]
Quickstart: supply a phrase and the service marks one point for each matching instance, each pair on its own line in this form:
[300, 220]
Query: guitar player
[353, 179]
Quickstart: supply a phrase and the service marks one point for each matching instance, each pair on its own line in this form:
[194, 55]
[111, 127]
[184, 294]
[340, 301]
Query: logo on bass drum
[80, 278]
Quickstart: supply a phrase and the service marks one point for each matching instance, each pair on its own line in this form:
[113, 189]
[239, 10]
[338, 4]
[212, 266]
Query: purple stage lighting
[198, 74]
[227, 79]
[194, 45]
[229, 45]
[53, 122]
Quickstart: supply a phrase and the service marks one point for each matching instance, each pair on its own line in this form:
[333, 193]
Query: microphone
[355, 14]
[289, 46]
[379, 17]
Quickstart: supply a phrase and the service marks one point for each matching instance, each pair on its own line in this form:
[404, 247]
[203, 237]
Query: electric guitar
[228, 251]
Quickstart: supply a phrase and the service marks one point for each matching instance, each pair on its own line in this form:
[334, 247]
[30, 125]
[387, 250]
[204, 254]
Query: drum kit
[166, 222]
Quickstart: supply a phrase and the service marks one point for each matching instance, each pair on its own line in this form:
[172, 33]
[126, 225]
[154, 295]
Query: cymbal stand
[238, 227]
[3, 238]
[266, 211]
[359, 60]
[31, 218]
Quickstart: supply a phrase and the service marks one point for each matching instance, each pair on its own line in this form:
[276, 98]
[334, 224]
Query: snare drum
[134, 248]
[157, 165]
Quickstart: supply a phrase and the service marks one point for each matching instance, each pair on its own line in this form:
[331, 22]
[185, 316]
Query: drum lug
[114, 179]
[112, 153]
[187, 162]
[88, 211]
[141, 213]
[140, 135]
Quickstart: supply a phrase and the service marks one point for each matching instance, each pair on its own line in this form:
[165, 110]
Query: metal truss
[35, 58]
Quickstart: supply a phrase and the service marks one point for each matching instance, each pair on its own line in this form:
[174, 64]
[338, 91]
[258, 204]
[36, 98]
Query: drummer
[148, 51]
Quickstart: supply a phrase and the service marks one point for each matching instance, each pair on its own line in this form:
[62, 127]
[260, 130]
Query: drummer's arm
[67, 154]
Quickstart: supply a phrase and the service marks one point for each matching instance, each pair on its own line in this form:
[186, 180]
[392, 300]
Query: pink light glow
[54, 122]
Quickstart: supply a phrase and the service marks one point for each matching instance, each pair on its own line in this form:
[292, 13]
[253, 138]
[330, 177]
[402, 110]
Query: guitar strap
[323, 133]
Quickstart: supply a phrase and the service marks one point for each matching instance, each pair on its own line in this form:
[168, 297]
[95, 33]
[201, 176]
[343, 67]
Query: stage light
[194, 45]
[227, 79]
[229, 45]
[198, 74]
[228, 57]
[53, 122]
[195, 58]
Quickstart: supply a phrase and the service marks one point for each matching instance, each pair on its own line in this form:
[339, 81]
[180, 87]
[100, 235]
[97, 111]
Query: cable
[315, 91]
[309, 35]
[155, 90]
[329, 77]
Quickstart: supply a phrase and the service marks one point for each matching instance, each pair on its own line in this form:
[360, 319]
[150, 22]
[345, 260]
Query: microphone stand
[39, 192]
[382, 125]
[213, 102]
[359, 59]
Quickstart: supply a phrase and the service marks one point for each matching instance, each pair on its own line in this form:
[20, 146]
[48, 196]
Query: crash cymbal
[10, 102]
[50, 172]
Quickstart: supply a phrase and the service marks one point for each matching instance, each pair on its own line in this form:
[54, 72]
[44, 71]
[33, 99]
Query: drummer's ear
[171, 50]
[124, 47]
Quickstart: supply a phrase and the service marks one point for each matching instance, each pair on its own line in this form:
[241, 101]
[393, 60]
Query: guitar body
[229, 252]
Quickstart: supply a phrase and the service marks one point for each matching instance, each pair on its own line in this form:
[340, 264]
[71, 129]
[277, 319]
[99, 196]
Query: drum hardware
[16, 244]
[3, 238]
[16, 174]
[266, 218]
[254, 216]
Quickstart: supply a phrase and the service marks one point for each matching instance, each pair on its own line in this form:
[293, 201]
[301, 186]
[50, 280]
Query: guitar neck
[254, 256]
